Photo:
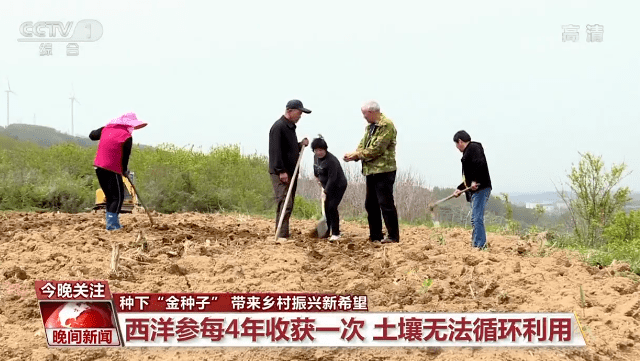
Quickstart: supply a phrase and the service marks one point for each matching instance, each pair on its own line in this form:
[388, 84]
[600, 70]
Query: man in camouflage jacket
[377, 152]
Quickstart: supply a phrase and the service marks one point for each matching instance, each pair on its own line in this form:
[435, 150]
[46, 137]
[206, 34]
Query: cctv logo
[85, 30]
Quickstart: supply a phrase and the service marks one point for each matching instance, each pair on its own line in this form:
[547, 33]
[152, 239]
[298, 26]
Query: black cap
[296, 104]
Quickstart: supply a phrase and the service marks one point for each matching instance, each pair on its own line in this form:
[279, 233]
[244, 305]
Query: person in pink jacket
[112, 160]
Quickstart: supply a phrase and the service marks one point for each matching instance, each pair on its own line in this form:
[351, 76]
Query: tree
[507, 204]
[512, 226]
[539, 211]
[593, 202]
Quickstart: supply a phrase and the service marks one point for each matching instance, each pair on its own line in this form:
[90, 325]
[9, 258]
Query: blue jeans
[478, 202]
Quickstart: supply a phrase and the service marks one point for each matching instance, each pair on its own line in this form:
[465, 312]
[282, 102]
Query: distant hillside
[9, 143]
[553, 198]
[43, 136]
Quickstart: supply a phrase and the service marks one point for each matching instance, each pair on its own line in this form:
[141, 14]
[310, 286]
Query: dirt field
[240, 256]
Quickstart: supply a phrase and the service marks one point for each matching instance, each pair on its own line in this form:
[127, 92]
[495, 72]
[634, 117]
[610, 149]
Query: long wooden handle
[140, 199]
[449, 197]
[286, 201]
[323, 197]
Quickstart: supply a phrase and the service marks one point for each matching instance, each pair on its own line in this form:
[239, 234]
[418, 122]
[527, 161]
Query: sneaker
[389, 240]
[334, 238]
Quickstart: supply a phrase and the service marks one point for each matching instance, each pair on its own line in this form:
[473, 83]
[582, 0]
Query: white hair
[371, 106]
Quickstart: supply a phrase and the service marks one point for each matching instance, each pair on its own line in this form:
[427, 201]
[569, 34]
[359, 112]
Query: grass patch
[426, 284]
[620, 251]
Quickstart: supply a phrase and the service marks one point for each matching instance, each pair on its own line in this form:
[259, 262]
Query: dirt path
[226, 253]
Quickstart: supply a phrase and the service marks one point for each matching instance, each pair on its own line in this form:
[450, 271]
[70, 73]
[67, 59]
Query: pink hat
[130, 120]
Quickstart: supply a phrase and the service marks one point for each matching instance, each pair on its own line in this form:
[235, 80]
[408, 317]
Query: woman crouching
[328, 170]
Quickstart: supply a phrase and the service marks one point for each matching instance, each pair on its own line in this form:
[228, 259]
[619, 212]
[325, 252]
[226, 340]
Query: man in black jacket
[475, 173]
[284, 150]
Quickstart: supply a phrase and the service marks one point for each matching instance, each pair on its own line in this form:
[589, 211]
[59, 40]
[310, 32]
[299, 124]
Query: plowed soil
[193, 252]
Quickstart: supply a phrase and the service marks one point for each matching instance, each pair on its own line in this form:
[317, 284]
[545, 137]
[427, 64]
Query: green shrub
[628, 252]
[512, 227]
[305, 209]
[624, 227]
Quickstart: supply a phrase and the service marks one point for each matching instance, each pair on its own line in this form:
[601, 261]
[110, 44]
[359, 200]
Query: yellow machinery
[130, 199]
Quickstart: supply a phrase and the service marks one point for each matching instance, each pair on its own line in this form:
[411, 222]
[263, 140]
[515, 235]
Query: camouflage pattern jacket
[377, 149]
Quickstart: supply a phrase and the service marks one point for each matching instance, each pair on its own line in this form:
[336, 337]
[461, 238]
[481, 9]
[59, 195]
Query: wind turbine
[8, 91]
[73, 99]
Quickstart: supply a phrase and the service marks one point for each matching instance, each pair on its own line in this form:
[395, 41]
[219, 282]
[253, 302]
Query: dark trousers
[331, 203]
[113, 188]
[280, 189]
[380, 198]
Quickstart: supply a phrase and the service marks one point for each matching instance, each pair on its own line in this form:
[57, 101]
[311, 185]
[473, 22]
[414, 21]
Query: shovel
[322, 228]
[286, 200]
[433, 205]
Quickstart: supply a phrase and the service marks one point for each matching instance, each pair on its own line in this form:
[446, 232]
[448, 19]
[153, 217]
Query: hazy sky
[213, 73]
